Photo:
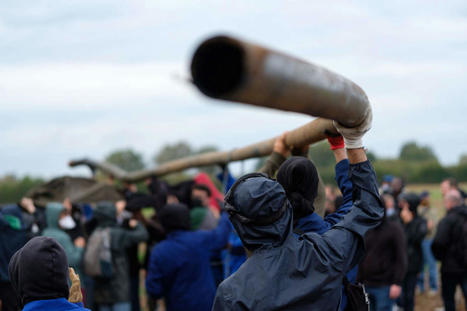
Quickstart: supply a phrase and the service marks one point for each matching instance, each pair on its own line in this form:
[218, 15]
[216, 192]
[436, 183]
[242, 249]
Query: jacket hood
[105, 214]
[299, 177]
[252, 201]
[39, 271]
[52, 213]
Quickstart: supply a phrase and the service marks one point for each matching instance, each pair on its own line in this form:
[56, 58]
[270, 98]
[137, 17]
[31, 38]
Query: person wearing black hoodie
[446, 245]
[39, 274]
[415, 228]
[383, 269]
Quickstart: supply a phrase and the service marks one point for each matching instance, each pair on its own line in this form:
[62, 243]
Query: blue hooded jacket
[286, 273]
[179, 267]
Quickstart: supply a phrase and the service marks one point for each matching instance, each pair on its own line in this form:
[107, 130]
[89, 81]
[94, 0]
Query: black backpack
[460, 238]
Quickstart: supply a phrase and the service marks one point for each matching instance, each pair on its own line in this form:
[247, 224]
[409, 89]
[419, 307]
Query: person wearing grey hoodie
[114, 293]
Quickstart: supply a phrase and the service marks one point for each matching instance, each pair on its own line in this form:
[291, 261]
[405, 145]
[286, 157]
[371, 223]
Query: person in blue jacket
[289, 273]
[179, 267]
[39, 274]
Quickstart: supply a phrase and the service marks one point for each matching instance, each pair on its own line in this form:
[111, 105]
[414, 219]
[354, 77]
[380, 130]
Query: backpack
[460, 238]
[98, 255]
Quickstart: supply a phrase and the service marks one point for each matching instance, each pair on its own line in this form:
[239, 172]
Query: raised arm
[218, 237]
[342, 246]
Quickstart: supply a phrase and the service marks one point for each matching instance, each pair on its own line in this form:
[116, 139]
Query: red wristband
[336, 142]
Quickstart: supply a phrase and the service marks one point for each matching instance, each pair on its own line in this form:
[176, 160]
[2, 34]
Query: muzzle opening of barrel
[217, 67]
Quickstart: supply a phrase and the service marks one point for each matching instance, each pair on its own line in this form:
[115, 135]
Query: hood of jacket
[105, 214]
[39, 271]
[52, 214]
[254, 199]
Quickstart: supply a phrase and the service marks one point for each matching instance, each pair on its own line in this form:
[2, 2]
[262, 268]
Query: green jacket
[74, 254]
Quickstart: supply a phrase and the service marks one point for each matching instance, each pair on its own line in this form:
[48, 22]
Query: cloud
[82, 78]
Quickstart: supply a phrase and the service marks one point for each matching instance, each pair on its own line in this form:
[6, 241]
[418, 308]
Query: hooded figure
[39, 275]
[286, 273]
[299, 178]
[116, 289]
[74, 254]
[179, 267]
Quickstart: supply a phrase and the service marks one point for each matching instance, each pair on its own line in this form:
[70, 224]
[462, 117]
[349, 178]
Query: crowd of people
[279, 240]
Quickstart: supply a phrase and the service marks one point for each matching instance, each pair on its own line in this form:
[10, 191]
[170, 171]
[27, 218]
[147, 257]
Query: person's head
[58, 216]
[105, 214]
[259, 211]
[425, 198]
[174, 217]
[452, 199]
[200, 195]
[299, 178]
[39, 271]
[448, 184]
[397, 186]
[409, 201]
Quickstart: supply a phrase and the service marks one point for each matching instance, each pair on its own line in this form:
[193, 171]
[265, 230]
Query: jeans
[379, 298]
[430, 261]
[449, 283]
[120, 306]
[407, 298]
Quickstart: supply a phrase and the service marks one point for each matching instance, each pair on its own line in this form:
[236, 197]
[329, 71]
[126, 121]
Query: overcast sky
[84, 77]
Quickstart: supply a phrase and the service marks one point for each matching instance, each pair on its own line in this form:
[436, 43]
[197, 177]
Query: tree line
[415, 163]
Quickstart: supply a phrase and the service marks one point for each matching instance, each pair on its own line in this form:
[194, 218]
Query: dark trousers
[408, 291]
[448, 288]
[8, 297]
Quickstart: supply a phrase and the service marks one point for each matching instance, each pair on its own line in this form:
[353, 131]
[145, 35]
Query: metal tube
[230, 69]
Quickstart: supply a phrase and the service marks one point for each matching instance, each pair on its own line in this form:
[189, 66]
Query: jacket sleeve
[218, 237]
[154, 286]
[400, 250]
[133, 236]
[75, 255]
[272, 164]
[440, 242]
[345, 186]
[342, 246]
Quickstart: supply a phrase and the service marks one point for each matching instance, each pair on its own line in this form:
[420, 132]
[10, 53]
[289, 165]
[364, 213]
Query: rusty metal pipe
[234, 70]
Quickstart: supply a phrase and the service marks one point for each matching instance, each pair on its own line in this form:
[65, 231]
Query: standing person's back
[450, 246]
[179, 267]
[39, 274]
[114, 292]
[383, 269]
[286, 273]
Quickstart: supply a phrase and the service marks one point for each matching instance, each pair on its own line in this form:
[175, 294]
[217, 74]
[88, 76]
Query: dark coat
[415, 232]
[13, 235]
[444, 242]
[385, 262]
[117, 288]
[286, 273]
[179, 267]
